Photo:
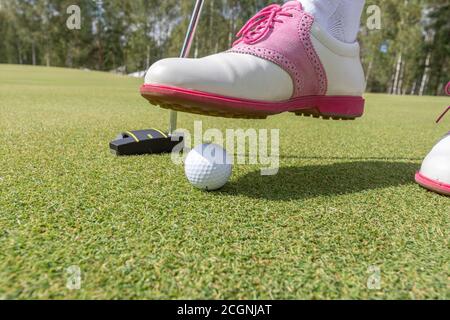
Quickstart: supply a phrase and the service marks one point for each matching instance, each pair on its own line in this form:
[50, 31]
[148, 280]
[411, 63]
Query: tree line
[407, 54]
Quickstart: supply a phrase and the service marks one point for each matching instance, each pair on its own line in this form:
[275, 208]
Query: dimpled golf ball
[208, 167]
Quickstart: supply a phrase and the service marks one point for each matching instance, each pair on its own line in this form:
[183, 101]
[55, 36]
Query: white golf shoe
[282, 61]
[435, 172]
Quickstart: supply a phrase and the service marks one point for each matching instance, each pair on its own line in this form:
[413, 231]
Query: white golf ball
[208, 167]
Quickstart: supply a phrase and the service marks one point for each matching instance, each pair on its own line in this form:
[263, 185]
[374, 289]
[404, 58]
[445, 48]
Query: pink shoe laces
[260, 25]
[447, 91]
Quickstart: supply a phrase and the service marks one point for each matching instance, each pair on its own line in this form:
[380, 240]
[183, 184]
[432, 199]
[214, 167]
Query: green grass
[343, 201]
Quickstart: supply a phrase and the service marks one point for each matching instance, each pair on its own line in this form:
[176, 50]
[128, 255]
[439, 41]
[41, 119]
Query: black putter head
[139, 142]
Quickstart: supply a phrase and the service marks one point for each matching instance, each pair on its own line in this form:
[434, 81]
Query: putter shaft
[185, 52]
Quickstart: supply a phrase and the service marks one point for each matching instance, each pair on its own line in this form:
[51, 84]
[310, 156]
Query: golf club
[154, 141]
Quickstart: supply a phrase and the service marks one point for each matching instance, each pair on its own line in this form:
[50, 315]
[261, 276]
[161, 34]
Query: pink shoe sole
[192, 101]
[432, 185]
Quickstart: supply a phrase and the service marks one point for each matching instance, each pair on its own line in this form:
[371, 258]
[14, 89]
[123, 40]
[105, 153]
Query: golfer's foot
[282, 62]
[435, 172]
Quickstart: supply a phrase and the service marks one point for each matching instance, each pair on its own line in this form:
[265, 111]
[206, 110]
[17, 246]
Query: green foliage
[130, 35]
[414, 31]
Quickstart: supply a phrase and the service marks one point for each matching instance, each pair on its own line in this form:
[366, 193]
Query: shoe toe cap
[163, 72]
[436, 166]
[227, 74]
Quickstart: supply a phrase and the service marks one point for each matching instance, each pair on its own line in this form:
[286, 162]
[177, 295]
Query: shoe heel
[336, 108]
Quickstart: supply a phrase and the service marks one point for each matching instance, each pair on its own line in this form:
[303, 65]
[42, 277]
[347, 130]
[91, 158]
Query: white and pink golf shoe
[435, 171]
[282, 61]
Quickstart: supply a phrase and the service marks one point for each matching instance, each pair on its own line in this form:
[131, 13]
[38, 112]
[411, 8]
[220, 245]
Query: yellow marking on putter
[132, 135]
[162, 133]
[150, 136]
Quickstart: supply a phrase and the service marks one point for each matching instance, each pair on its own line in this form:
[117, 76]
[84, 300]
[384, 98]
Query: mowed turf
[343, 204]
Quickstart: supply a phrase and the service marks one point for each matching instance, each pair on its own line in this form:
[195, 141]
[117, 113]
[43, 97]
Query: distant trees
[408, 55]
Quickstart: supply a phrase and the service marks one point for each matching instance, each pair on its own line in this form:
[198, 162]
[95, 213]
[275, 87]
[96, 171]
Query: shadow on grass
[292, 183]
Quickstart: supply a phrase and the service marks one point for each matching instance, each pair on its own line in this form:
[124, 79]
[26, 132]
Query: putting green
[342, 211]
